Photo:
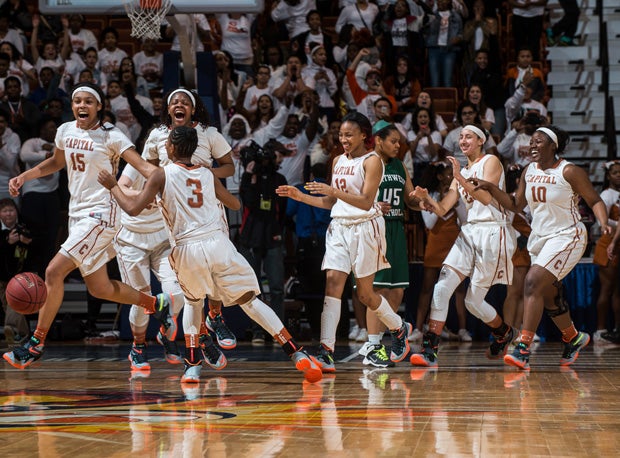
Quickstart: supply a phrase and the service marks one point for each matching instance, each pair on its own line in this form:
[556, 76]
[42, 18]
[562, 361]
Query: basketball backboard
[115, 7]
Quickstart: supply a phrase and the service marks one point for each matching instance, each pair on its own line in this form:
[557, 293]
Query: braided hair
[185, 140]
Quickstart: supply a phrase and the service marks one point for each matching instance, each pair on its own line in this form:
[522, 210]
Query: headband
[88, 89]
[184, 91]
[476, 131]
[609, 164]
[551, 134]
[315, 49]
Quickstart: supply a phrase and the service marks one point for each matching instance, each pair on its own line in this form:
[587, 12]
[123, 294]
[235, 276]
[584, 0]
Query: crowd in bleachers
[289, 74]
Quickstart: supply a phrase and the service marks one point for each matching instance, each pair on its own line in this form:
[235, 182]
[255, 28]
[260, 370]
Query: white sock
[192, 316]
[388, 316]
[329, 321]
[374, 339]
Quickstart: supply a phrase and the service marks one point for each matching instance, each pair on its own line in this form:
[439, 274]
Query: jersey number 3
[196, 200]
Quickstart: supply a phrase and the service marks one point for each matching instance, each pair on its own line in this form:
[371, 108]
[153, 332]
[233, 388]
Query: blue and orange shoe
[225, 337]
[308, 365]
[23, 356]
[138, 359]
[400, 342]
[520, 357]
[171, 349]
[163, 307]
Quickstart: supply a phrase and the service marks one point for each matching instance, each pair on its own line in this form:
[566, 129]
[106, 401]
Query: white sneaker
[464, 335]
[362, 336]
[353, 332]
[446, 334]
[536, 338]
[365, 349]
[597, 337]
[416, 336]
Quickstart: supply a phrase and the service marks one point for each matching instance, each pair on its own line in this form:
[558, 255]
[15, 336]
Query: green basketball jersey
[392, 188]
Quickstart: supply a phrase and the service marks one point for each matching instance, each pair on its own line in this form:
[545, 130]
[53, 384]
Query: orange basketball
[26, 293]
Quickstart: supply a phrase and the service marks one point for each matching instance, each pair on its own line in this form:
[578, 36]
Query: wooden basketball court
[82, 401]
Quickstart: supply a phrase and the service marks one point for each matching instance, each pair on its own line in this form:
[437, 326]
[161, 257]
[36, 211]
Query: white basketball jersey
[211, 145]
[86, 153]
[348, 176]
[188, 202]
[477, 212]
[551, 199]
[149, 220]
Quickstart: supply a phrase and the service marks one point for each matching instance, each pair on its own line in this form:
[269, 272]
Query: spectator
[48, 88]
[327, 147]
[527, 24]
[361, 15]
[40, 198]
[365, 99]
[403, 84]
[315, 34]
[254, 91]
[23, 114]
[318, 77]
[443, 35]
[515, 146]
[475, 95]
[229, 83]
[290, 83]
[401, 34]
[91, 60]
[18, 14]
[490, 81]
[198, 30]
[424, 100]
[110, 55]
[293, 13]
[121, 108]
[274, 58]
[15, 254]
[480, 32]
[522, 100]
[563, 31]
[237, 39]
[19, 67]
[49, 56]
[11, 35]
[139, 84]
[5, 64]
[424, 143]
[56, 110]
[515, 75]
[149, 63]
[80, 38]
[9, 152]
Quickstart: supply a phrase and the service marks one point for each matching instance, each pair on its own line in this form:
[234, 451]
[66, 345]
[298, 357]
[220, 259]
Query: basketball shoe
[499, 345]
[211, 354]
[400, 342]
[520, 357]
[377, 356]
[138, 359]
[308, 365]
[24, 355]
[225, 338]
[428, 356]
[571, 349]
[325, 357]
[163, 305]
[171, 349]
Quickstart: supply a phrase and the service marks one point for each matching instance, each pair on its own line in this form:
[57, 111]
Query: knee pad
[138, 316]
[561, 304]
[448, 281]
[477, 306]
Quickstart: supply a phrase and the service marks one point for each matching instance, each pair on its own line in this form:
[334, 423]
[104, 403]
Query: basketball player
[203, 256]
[86, 146]
[394, 190]
[482, 251]
[355, 239]
[185, 108]
[550, 186]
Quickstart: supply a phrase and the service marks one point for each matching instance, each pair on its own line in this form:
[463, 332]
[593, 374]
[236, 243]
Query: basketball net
[146, 17]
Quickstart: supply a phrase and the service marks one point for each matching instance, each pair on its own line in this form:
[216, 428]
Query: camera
[258, 154]
[23, 230]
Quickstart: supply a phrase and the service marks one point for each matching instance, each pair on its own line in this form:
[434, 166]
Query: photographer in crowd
[15, 240]
[261, 233]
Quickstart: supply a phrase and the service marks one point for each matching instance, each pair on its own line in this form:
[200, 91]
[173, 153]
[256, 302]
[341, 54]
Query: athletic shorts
[357, 248]
[89, 244]
[483, 252]
[396, 276]
[559, 252]
[140, 253]
[213, 267]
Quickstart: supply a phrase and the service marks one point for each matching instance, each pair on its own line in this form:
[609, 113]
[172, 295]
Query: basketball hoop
[146, 16]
